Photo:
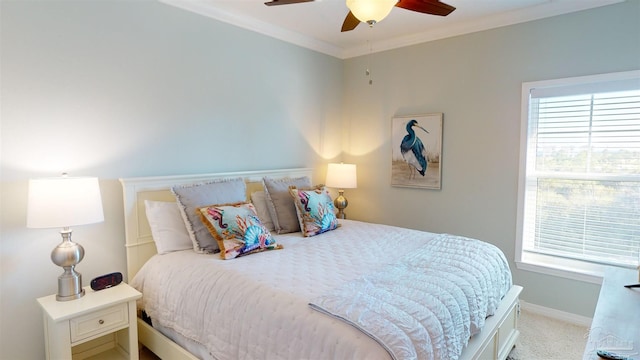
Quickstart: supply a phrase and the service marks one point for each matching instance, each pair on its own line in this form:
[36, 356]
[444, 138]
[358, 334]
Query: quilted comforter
[257, 306]
[427, 305]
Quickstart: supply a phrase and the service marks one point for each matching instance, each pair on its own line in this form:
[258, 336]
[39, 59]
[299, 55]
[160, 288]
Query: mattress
[257, 306]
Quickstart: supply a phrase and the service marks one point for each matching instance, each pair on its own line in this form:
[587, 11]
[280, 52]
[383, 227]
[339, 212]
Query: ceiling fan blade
[350, 22]
[285, 2]
[432, 7]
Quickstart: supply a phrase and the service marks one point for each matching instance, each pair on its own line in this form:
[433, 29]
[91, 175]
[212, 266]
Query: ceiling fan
[431, 7]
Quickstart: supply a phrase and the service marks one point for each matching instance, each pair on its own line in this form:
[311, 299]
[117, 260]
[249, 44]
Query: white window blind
[582, 182]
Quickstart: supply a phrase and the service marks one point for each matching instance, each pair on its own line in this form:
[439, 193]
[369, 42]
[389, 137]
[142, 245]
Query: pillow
[259, 201]
[315, 210]
[167, 227]
[237, 229]
[280, 203]
[191, 197]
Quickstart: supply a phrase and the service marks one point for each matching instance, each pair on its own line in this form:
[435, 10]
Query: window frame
[549, 264]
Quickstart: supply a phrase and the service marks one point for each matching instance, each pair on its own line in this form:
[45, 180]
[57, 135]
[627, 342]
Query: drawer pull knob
[100, 321]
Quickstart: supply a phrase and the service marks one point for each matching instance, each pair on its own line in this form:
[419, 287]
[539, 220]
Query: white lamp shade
[342, 176]
[64, 202]
[371, 10]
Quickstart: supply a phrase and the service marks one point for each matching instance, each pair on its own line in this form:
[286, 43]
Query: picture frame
[408, 133]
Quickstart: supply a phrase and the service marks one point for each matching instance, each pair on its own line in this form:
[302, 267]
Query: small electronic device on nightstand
[106, 281]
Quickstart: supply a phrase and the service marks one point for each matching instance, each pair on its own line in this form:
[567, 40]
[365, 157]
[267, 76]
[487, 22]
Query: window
[579, 191]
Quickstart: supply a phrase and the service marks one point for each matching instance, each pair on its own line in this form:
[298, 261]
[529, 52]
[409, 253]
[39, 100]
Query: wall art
[416, 156]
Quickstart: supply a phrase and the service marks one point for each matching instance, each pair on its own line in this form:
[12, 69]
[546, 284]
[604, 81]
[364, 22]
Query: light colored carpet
[544, 338]
[541, 338]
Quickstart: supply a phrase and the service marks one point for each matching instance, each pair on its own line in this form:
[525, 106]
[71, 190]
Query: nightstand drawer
[98, 322]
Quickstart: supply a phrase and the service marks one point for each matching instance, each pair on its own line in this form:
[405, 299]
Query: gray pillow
[259, 200]
[280, 203]
[191, 197]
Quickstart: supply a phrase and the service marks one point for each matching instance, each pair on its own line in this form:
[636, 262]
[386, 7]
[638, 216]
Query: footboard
[500, 331]
[161, 345]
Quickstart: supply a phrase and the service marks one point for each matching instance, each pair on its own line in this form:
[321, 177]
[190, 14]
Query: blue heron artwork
[412, 148]
[416, 149]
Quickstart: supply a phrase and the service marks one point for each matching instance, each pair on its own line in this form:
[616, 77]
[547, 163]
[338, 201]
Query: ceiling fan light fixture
[371, 11]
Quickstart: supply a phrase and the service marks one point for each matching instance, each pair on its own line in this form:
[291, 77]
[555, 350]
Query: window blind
[582, 192]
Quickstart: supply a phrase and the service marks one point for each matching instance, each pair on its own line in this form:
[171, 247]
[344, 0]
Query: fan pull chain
[367, 71]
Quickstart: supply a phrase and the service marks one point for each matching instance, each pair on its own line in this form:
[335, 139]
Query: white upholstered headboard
[139, 243]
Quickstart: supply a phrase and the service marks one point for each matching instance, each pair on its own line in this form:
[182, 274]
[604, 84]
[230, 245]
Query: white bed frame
[494, 342]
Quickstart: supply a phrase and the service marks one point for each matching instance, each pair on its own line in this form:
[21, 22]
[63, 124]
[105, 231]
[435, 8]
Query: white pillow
[259, 200]
[167, 227]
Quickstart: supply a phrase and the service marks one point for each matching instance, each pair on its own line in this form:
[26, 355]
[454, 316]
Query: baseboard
[556, 314]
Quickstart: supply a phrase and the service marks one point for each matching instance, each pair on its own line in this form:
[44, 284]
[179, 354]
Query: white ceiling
[316, 25]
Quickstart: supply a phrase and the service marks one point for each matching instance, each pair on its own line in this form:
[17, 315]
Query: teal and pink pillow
[237, 229]
[315, 210]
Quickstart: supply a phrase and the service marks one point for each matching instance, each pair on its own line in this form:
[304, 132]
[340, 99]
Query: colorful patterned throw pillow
[315, 209]
[237, 229]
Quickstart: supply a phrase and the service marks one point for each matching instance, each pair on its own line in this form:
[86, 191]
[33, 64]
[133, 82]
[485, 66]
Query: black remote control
[611, 356]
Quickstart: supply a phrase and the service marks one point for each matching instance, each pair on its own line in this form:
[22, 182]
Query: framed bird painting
[416, 156]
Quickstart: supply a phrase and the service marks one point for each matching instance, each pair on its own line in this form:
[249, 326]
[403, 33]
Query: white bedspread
[256, 307]
[448, 287]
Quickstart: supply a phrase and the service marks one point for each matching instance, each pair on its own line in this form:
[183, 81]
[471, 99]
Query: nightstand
[100, 325]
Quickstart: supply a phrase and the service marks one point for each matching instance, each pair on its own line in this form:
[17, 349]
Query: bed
[295, 303]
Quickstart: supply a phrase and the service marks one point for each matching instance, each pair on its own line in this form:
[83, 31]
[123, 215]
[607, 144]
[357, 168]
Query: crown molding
[544, 10]
[548, 9]
[201, 7]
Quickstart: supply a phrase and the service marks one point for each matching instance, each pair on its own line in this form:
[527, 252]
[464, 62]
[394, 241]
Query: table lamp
[63, 202]
[341, 176]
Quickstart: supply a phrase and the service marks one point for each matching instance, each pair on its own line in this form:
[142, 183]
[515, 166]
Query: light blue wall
[475, 80]
[120, 89]
[138, 88]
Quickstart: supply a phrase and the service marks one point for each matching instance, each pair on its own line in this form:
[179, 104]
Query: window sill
[565, 268]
